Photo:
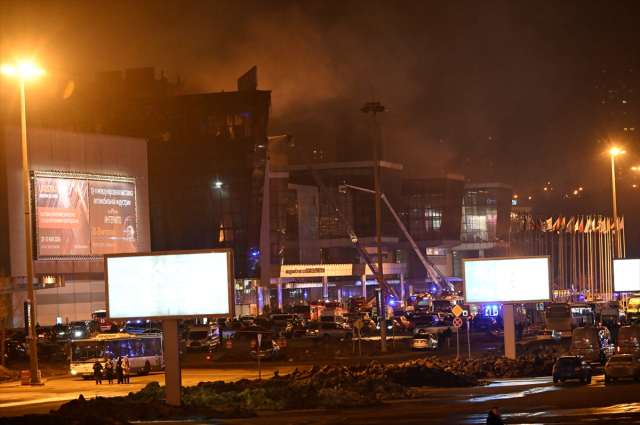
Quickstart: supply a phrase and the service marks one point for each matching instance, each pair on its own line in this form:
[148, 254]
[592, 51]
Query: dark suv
[571, 367]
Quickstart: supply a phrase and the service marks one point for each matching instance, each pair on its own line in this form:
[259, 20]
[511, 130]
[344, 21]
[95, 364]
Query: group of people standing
[122, 370]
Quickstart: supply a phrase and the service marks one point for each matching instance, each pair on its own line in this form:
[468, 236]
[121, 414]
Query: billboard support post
[509, 332]
[173, 377]
[468, 339]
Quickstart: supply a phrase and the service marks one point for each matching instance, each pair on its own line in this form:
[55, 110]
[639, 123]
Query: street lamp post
[23, 72]
[614, 152]
[376, 107]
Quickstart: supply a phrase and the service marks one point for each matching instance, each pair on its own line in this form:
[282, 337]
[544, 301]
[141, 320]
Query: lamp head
[615, 151]
[24, 70]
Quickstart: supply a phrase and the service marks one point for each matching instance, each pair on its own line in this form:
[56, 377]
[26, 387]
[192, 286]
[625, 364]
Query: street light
[376, 107]
[25, 71]
[614, 152]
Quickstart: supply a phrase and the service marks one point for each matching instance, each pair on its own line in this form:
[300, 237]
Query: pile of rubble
[146, 405]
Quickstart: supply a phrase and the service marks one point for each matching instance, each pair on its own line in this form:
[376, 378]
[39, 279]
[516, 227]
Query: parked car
[424, 342]
[622, 366]
[15, 352]
[548, 334]
[269, 349]
[433, 328]
[82, 329]
[593, 343]
[251, 332]
[327, 330]
[197, 338]
[51, 352]
[571, 367]
[483, 323]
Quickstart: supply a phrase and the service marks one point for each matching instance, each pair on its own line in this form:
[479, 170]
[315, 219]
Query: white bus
[144, 352]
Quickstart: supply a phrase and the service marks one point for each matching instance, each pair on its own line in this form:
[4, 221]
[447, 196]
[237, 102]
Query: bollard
[25, 377]
[228, 343]
[253, 343]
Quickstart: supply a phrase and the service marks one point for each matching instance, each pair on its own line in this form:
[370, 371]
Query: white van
[198, 338]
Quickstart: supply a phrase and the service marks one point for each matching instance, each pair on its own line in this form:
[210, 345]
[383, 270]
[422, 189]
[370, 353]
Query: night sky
[499, 91]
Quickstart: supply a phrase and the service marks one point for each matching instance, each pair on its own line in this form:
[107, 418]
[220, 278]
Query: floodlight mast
[432, 270]
[345, 224]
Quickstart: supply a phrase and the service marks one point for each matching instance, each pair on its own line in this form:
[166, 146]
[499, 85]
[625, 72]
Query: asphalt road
[521, 401]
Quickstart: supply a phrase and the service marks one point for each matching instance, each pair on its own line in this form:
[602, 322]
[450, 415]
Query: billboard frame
[75, 176]
[550, 281]
[230, 282]
[613, 274]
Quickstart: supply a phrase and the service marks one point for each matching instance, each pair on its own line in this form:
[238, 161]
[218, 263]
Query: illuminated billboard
[169, 284]
[112, 210]
[62, 217]
[84, 215]
[626, 275]
[506, 280]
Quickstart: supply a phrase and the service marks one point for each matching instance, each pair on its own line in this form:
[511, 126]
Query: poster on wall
[113, 217]
[62, 217]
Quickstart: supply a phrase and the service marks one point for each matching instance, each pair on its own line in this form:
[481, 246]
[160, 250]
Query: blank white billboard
[169, 284]
[626, 275]
[506, 280]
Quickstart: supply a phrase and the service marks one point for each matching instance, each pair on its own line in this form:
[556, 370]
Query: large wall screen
[78, 216]
[169, 284]
[626, 275]
[507, 280]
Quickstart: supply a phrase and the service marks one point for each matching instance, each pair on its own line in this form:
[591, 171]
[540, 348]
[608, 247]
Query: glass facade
[481, 207]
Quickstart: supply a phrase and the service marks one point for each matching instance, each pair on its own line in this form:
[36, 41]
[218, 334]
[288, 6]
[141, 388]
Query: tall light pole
[614, 152]
[376, 107]
[23, 72]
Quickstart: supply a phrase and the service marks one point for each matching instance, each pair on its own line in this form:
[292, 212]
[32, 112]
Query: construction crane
[390, 292]
[436, 275]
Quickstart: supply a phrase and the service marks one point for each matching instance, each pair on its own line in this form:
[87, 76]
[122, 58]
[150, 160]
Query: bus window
[112, 349]
[87, 352]
[153, 347]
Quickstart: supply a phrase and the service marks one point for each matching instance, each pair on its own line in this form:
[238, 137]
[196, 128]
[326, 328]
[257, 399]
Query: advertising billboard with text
[169, 284]
[626, 275]
[84, 216]
[506, 280]
[62, 217]
[113, 217]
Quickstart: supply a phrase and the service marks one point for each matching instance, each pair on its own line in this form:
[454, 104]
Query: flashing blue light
[391, 302]
[138, 321]
[255, 253]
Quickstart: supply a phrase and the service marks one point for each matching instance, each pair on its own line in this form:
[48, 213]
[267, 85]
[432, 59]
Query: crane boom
[431, 268]
[345, 224]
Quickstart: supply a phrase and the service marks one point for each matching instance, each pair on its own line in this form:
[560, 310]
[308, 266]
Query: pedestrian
[447, 334]
[520, 331]
[119, 373]
[494, 417]
[126, 369]
[97, 372]
[108, 368]
[440, 340]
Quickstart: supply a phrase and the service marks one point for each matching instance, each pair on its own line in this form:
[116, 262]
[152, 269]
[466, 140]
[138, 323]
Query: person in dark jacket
[447, 334]
[97, 372]
[119, 372]
[494, 417]
[108, 368]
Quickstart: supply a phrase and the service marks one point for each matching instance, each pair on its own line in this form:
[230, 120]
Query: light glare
[7, 70]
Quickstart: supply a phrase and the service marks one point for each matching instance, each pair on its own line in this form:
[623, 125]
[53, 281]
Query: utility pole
[376, 107]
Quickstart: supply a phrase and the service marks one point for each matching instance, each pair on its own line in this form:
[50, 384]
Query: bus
[564, 317]
[145, 353]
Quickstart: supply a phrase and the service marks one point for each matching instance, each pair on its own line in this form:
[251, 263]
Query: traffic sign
[457, 310]
[457, 322]
[358, 324]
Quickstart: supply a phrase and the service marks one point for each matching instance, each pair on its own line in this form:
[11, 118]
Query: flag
[539, 224]
[612, 225]
[570, 225]
[549, 225]
[577, 228]
[595, 225]
[562, 224]
[587, 227]
[531, 224]
[622, 223]
[556, 225]
[581, 228]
